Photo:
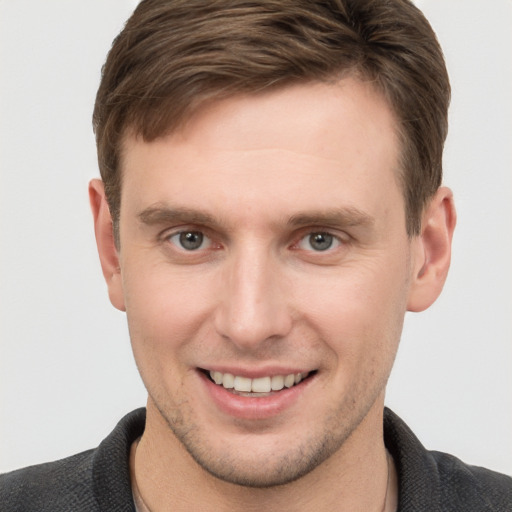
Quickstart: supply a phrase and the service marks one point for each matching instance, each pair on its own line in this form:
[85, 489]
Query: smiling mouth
[260, 386]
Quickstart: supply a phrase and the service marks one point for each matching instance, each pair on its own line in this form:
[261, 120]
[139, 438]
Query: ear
[109, 255]
[432, 251]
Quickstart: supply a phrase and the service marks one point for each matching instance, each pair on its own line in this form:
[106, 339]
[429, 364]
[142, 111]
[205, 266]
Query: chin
[259, 471]
[267, 460]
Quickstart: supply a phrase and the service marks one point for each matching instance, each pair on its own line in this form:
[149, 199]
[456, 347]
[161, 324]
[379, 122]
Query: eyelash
[183, 233]
[322, 236]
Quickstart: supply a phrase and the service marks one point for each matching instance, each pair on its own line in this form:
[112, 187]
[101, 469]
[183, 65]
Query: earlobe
[107, 250]
[432, 251]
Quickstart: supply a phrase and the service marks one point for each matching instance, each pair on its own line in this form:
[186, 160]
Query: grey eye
[190, 240]
[319, 241]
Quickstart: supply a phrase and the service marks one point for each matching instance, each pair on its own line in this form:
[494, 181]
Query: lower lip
[246, 407]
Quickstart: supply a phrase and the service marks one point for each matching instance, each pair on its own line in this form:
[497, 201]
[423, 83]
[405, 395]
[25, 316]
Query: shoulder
[438, 482]
[51, 486]
[91, 481]
[472, 487]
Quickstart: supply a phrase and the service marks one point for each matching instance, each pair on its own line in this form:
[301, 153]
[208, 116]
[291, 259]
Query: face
[265, 270]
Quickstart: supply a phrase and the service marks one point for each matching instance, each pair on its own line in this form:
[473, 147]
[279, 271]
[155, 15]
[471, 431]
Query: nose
[252, 305]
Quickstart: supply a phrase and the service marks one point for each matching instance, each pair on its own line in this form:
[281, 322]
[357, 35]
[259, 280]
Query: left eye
[318, 241]
[190, 240]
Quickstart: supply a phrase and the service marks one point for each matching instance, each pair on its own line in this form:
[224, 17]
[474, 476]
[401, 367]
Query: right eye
[190, 240]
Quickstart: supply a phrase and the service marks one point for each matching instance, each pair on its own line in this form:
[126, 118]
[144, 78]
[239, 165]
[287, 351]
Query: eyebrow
[340, 217]
[345, 217]
[162, 214]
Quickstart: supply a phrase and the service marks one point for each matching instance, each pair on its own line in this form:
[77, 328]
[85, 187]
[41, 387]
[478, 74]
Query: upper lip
[255, 373]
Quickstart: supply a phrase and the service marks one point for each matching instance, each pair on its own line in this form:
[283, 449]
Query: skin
[257, 175]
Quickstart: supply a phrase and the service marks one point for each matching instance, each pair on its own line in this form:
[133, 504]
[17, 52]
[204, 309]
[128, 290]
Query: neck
[360, 476]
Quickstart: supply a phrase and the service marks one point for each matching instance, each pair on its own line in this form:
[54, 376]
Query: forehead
[308, 143]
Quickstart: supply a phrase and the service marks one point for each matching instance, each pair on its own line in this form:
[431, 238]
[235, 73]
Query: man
[270, 207]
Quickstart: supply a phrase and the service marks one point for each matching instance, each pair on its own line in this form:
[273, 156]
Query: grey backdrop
[66, 370]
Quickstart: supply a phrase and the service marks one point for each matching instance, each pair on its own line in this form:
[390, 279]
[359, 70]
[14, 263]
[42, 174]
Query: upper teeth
[259, 385]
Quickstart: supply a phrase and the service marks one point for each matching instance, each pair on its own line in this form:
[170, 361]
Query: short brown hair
[173, 55]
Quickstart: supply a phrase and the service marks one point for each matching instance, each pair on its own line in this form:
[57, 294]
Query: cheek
[359, 309]
[165, 308]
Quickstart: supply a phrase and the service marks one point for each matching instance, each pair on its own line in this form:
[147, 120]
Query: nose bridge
[252, 308]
